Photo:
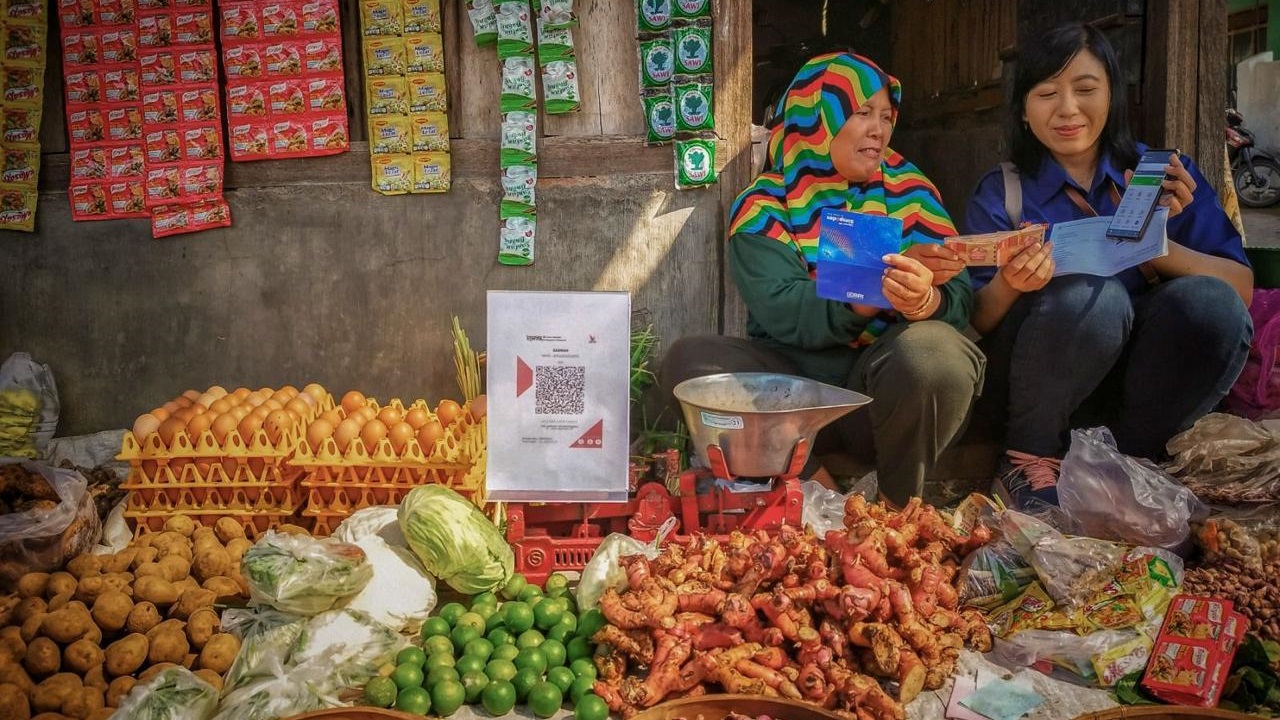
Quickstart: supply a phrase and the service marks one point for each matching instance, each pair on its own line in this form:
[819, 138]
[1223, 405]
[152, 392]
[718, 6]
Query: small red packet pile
[1193, 652]
[285, 86]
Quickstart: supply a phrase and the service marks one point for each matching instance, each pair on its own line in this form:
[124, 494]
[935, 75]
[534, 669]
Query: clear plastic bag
[27, 392]
[173, 694]
[266, 639]
[1064, 649]
[401, 594]
[43, 539]
[603, 570]
[303, 575]
[993, 575]
[1108, 495]
[1228, 459]
[278, 696]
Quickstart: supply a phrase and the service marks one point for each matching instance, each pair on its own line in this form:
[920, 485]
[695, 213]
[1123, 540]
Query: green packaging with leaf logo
[659, 116]
[519, 139]
[695, 163]
[560, 87]
[517, 230]
[692, 9]
[484, 22]
[657, 62]
[518, 91]
[515, 28]
[692, 44]
[653, 15]
[694, 100]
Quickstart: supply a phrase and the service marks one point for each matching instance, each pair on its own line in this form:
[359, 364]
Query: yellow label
[431, 172]
[424, 53]
[380, 17]
[17, 208]
[421, 16]
[387, 95]
[389, 134]
[392, 174]
[383, 56]
[427, 93]
[430, 132]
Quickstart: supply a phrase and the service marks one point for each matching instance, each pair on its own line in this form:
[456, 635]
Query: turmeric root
[635, 644]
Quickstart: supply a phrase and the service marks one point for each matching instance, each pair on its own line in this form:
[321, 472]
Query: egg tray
[255, 497]
[211, 471]
[463, 441]
[255, 524]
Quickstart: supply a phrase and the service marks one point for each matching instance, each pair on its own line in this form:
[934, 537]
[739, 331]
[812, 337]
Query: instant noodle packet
[392, 174]
[388, 95]
[381, 17]
[430, 132]
[695, 163]
[424, 53]
[431, 172]
[427, 93]
[421, 16]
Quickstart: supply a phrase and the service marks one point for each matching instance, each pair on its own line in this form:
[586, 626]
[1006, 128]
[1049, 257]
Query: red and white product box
[1194, 650]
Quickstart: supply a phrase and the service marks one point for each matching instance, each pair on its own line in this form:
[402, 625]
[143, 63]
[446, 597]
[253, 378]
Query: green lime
[470, 620]
[451, 612]
[513, 587]
[529, 638]
[581, 686]
[407, 675]
[485, 598]
[439, 675]
[524, 681]
[478, 647]
[579, 647]
[469, 663]
[501, 636]
[555, 581]
[558, 592]
[531, 658]
[447, 696]
[381, 692]
[414, 701]
[529, 593]
[498, 698]
[562, 677]
[590, 622]
[475, 683]
[500, 670]
[569, 620]
[555, 652]
[505, 652]
[591, 707]
[440, 659]
[438, 645]
[545, 699]
[435, 626]
[517, 616]
[412, 655]
[583, 667]
[547, 613]
[570, 605]
[462, 635]
[497, 620]
[560, 633]
[487, 612]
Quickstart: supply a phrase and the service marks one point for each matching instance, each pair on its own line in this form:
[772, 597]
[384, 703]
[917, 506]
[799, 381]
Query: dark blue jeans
[1082, 351]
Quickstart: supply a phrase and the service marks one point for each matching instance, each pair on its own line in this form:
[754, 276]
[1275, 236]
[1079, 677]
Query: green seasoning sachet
[694, 99]
[653, 15]
[560, 87]
[659, 116]
[693, 49]
[657, 62]
[515, 237]
[519, 139]
[694, 9]
[519, 182]
[517, 84]
[515, 29]
[695, 163]
[484, 22]
[554, 44]
[554, 14]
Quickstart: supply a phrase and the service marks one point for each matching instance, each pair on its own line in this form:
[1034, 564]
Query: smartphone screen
[1141, 196]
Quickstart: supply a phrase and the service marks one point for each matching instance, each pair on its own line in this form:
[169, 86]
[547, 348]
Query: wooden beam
[1171, 71]
[733, 72]
[1214, 67]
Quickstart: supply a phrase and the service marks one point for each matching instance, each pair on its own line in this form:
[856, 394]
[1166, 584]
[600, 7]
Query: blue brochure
[851, 246]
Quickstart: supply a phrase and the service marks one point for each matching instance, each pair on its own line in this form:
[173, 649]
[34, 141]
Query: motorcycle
[1255, 173]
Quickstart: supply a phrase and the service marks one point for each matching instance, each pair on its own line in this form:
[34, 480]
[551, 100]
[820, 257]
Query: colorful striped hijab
[786, 200]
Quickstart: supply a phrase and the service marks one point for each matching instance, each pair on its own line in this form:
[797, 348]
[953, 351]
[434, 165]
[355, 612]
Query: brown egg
[265, 391]
[198, 424]
[290, 392]
[298, 406]
[160, 413]
[390, 416]
[274, 403]
[346, 431]
[317, 432]
[171, 407]
[428, 434]
[281, 396]
[333, 417]
[145, 425]
[240, 393]
[256, 398]
[169, 429]
[479, 407]
[224, 425]
[185, 414]
[205, 400]
[316, 392]
[240, 412]
[365, 414]
[304, 397]
[400, 434]
[248, 427]
[217, 391]
[183, 401]
[417, 417]
[261, 412]
[352, 401]
[277, 424]
[191, 395]
[220, 406]
[372, 434]
[448, 411]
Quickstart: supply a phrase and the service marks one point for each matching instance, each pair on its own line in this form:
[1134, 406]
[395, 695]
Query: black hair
[1046, 57]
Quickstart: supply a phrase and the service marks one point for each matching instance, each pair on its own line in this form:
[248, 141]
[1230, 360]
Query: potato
[180, 524]
[223, 588]
[31, 628]
[170, 646]
[11, 638]
[119, 562]
[13, 703]
[14, 674]
[142, 618]
[43, 657]
[103, 713]
[155, 590]
[291, 529]
[236, 549]
[202, 625]
[96, 677]
[50, 694]
[8, 603]
[28, 607]
[111, 610]
[81, 656]
[33, 584]
[210, 677]
[83, 565]
[203, 533]
[242, 581]
[119, 688]
[67, 625]
[50, 716]
[147, 570]
[83, 703]
[185, 584]
[211, 563]
[170, 625]
[180, 548]
[154, 670]
[57, 602]
[174, 567]
[90, 588]
[191, 601]
[219, 652]
[144, 556]
[60, 583]
[227, 529]
[126, 655]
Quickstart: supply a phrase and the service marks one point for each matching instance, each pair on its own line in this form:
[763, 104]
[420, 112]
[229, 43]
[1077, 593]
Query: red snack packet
[199, 104]
[240, 22]
[201, 181]
[198, 66]
[86, 126]
[155, 31]
[121, 84]
[119, 46]
[160, 107]
[126, 161]
[163, 146]
[323, 55]
[244, 62]
[124, 123]
[203, 142]
[282, 59]
[157, 69]
[163, 185]
[75, 13]
[247, 100]
[326, 93]
[287, 97]
[329, 135]
[79, 47]
[319, 17]
[88, 201]
[250, 140]
[280, 20]
[290, 138]
[83, 87]
[88, 163]
[126, 199]
[193, 27]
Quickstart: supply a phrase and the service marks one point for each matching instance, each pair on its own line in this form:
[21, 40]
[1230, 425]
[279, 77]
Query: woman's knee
[1085, 299]
[936, 359]
[1206, 307]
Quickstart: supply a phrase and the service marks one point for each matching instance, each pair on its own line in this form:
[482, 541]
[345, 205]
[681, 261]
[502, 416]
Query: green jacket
[784, 309]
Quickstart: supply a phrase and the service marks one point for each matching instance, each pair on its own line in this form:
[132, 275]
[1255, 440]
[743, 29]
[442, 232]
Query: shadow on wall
[1258, 98]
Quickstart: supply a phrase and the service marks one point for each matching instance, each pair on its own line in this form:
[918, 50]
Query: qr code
[558, 390]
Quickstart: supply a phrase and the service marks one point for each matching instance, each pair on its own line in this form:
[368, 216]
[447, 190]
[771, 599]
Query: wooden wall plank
[1212, 90]
[1170, 72]
[474, 94]
[733, 73]
[353, 69]
[53, 120]
[608, 73]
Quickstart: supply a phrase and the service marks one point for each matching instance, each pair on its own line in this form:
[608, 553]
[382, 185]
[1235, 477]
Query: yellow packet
[380, 17]
[383, 56]
[1114, 663]
[1057, 619]
[427, 93]
[20, 125]
[431, 172]
[25, 43]
[1113, 613]
[17, 208]
[23, 86]
[421, 16]
[392, 174]
[388, 95]
[1020, 612]
[430, 132]
[424, 53]
[389, 134]
[21, 167]
[24, 10]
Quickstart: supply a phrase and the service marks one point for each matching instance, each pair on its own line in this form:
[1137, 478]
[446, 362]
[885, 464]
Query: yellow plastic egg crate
[240, 497]
[254, 523]
[454, 452]
[158, 463]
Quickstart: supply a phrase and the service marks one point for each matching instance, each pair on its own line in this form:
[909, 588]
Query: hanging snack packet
[554, 44]
[515, 239]
[518, 92]
[693, 48]
[657, 62]
[560, 87]
[426, 93]
[18, 209]
[694, 110]
[695, 163]
[389, 134]
[430, 132]
[392, 174]
[653, 15]
[518, 184]
[484, 21]
[519, 139]
[556, 14]
[692, 9]
[515, 29]
[659, 116]
[421, 16]
[424, 53]
[431, 173]
[384, 56]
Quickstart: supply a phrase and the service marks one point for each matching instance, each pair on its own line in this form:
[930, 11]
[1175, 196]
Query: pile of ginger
[784, 613]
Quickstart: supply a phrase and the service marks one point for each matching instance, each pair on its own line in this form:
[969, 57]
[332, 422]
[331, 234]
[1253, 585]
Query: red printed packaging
[158, 69]
[329, 134]
[79, 47]
[290, 138]
[287, 97]
[155, 30]
[319, 16]
[126, 161]
[198, 66]
[126, 199]
[199, 104]
[201, 181]
[243, 63]
[247, 101]
[282, 59]
[323, 55]
[163, 146]
[83, 87]
[326, 93]
[121, 84]
[89, 163]
[249, 140]
[88, 200]
[172, 220]
[193, 27]
[279, 20]
[86, 126]
[115, 12]
[160, 107]
[1193, 652]
[202, 142]
[75, 13]
[124, 123]
[240, 22]
[163, 185]
[119, 45]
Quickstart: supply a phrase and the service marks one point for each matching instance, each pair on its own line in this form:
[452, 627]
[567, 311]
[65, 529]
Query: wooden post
[733, 72]
[1211, 148]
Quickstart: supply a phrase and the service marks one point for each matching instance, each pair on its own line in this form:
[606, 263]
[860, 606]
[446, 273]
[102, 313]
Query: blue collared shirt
[1203, 226]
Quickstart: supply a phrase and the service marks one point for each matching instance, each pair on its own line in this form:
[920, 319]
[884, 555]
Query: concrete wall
[1258, 97]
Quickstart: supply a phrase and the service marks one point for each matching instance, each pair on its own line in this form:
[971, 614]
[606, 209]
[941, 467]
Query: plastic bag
[173, 694]
[993, 575]
[823, 508]
[278, 696]
[1111, 496]
[303, 575]
[28, 406]
[603, 570]
[1068, 650]
[348, 643]
[45, 537]
[401, 593]
[266, 639]
[1228, 459]
[1256, 393]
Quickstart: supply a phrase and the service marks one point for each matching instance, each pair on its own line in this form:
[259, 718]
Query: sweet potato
[201, 626]
[84, 565]
[82, 703]
[119, 562]
[142, 617]
[223, 587]
[154, 670]
[211, 563]
[60, 583]
[111, 610]
[191, 601]
[211, 677]
[15, 674]
[50, 694]
[219, 652]
[144, 556]
[228, 529]
[29, 606]
[169, 646]
[119, 688]
[82, 656]
[43, 657]
[155, 590]
[174, 567]
[180, 524]
[126, 655]
[33, 584]
[67, 625]
[13, 703]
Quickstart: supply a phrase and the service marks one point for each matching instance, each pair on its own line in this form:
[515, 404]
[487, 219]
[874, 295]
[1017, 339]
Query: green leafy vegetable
[454, 540]
[303, 575]
[174, 694]
[1128, 690]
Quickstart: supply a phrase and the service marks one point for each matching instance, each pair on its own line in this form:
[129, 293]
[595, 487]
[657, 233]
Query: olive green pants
[922, 377]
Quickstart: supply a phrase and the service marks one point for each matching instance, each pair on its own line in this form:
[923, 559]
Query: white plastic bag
[603, 570]
[303, 575]
[401, 594]
[173, 694]
[42, 539]
[19, 372]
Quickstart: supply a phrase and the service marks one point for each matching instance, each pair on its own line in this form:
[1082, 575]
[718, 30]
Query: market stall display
[24, 26]
[47, 517]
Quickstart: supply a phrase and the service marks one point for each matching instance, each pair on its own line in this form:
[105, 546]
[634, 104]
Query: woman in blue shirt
[1146, 352]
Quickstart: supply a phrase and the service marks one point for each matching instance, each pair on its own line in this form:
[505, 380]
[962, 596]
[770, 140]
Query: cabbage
[454, 540]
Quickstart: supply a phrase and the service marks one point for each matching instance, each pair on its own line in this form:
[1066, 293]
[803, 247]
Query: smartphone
[1141, 196]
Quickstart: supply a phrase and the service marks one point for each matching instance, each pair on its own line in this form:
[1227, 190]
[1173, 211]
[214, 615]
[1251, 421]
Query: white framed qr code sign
[558, 377]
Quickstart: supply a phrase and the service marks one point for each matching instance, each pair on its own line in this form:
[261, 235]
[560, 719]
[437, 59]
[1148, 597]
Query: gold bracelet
[928, 299]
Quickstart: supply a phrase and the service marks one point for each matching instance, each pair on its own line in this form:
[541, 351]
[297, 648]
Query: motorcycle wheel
[1265, 192]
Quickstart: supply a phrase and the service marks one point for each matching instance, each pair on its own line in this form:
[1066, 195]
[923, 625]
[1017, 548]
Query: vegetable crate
[336, 484]
[564, 536]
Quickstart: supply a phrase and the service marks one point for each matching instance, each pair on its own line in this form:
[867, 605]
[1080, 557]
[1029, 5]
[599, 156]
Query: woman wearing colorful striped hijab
[829, 148]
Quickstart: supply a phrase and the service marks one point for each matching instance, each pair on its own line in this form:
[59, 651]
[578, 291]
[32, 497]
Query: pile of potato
[74, 643]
